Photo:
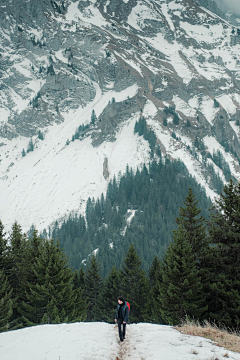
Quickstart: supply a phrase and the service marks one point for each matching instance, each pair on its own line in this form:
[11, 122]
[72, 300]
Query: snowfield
[56, 179]
[96, 341]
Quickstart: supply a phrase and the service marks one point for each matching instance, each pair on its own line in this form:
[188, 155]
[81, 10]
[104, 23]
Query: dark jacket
[125, 312]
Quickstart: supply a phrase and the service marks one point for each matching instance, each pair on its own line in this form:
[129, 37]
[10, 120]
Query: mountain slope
[174, 62]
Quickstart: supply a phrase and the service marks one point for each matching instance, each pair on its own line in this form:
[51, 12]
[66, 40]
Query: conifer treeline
[199, 275]
[154, 195]
[197, 278]
[36, 283]
[38, 287]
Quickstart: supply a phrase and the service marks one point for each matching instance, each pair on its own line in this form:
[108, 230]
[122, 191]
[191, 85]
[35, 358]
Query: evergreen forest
[139, 208]
[196, 278]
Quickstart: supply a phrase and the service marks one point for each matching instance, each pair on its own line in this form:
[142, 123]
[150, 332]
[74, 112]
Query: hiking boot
[121, 339]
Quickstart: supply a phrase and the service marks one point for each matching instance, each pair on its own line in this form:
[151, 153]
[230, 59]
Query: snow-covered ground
[96, 341]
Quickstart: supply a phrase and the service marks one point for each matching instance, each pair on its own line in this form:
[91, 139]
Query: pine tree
[33, 249]
[16, 277]
[224, 265]
[93, 117]
[134, 285]
[109, 296]
[93, 288]
[52, 298]
[6, 302]
[4, 250]
[181, 292]
[79, 286]
[154, 282]
[193, 225]
[30, 146]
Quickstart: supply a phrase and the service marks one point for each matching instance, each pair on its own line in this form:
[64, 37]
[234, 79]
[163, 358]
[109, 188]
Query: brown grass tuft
[230, 340]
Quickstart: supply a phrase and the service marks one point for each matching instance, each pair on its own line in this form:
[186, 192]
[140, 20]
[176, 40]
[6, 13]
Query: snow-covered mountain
[173, 62]
[88, 341]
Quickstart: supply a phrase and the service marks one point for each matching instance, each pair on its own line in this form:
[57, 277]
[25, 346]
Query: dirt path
[127, 350]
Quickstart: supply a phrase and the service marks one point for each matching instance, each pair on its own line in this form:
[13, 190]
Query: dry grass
[228, 339]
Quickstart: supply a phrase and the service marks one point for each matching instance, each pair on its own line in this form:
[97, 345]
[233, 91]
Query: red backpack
[128, 306]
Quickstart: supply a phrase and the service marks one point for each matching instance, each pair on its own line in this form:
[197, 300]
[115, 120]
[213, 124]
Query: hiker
[121, 317]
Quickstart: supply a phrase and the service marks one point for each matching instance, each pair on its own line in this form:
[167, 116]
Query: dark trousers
[122, 330]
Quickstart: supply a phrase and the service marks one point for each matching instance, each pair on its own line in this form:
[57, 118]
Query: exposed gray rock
[105, 169]
[112, 117]
[50, 64]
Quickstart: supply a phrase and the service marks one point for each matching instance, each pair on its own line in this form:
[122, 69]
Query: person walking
[121, 317]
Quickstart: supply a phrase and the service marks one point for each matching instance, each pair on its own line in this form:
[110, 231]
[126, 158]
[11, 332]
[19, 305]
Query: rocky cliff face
[171, 62]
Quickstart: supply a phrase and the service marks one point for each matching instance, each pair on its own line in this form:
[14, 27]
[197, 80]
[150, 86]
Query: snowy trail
[99, 341]
[154, 342]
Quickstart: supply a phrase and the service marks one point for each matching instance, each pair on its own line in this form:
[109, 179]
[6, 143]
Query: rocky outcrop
[56, 54]
[106, 169]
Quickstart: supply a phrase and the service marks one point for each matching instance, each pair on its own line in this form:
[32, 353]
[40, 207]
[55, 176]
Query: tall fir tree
[154, 282]
[109, 296]
[93, 117]
[93, 289]
[4, 250]
[6, 302]
[52, 298]
[181, 292]
[224, 258]
[17, 279]
[34, 248]
[134, 285]
[193, 224]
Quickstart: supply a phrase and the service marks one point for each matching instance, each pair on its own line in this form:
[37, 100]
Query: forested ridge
[139, 208]
[197, 278]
